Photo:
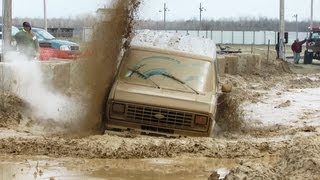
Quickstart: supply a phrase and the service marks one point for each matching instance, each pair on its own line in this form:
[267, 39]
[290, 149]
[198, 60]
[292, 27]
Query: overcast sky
[178, 9]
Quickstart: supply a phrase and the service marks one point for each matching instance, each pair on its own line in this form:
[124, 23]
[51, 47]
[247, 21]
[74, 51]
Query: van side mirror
[226, 88]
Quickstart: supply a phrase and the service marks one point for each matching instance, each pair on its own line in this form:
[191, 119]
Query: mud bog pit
[24, 167]
[276, 135]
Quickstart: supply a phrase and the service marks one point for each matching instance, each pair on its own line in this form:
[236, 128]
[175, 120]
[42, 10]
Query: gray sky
[178, 9]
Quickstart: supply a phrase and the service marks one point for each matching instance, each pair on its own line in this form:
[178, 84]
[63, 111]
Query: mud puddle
[23, 167]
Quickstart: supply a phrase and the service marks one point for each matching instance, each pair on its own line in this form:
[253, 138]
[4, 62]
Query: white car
[14, 31]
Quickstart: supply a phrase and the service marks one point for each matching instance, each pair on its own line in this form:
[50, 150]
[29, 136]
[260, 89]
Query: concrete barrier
[221, 65]
[54, 74]
[231, 64]
[249, 63]
[239, 63]
[79, 75]
[7, 80]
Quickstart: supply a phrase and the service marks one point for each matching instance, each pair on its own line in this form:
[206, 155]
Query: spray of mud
[110, 38]
[43, 103]
[75, 113]
[229, 114]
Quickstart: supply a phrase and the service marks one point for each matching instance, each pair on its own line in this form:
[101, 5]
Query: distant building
[61, 32]
[105, 14]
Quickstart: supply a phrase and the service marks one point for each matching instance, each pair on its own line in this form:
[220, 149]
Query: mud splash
[229, 114]
[110, 38]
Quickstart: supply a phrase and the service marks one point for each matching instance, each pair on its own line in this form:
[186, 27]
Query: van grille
[159, 116]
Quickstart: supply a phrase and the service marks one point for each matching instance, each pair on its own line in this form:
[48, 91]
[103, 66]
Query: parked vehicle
[166, 86]
[312, 46]
[14, 30]
[51, 47]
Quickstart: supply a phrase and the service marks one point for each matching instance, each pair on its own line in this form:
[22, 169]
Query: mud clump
[252, 170]
[11, 109]
[300, 160]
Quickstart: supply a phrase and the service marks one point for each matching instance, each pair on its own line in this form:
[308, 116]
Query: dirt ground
[278, 149]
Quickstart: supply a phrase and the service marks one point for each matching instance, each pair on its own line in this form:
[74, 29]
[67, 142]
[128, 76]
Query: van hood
[163, 97]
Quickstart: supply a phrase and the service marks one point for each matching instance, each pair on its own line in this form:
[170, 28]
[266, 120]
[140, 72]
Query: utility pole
[311, 18]
[45, 15]
[281, 33]
[201, 9]
[297, 27]
[165, 9]
[6, 26]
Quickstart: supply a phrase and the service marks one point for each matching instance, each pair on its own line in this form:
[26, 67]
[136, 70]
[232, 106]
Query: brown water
[25, 168]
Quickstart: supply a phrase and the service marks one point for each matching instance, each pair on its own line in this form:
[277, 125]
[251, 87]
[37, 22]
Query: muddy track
[144, 147]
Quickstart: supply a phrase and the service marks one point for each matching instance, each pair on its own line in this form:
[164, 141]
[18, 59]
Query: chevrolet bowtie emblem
[159, 116]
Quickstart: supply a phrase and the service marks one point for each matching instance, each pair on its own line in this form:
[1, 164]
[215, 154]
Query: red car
[50, 47]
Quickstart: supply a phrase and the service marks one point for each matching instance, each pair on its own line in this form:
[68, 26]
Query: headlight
[118, 108]
[65, 48]
[200, 120]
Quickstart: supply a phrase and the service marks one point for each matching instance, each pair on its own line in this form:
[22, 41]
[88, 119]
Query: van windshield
[167, 71]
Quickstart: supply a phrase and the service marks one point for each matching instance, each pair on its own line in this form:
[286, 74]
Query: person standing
[27, 42]
[296, 47]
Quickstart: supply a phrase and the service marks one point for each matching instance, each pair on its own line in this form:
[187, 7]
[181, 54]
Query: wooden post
[282, 30]
[232, 37]
[45, 15]
[243, 37]
[6, 26]
[268, 51]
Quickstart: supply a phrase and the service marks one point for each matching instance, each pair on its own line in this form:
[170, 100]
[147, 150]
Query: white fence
[227, 37]
[243, 37]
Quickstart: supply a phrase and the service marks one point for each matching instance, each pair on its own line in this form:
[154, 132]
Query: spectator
[296, 47]
[27, 42]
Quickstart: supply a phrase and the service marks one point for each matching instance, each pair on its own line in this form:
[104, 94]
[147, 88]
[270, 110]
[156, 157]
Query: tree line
[241, 24]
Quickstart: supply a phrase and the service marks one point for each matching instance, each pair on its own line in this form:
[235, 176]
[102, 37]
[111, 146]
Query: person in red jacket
[296, 47]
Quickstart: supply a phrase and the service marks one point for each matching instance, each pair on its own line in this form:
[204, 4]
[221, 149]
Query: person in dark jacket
[296, 47]
[27, 42]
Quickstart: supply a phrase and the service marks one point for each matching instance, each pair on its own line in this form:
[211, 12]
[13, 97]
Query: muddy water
[66, 168]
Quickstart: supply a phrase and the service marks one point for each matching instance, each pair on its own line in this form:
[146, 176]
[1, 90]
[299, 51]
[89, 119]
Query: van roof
[175, 42]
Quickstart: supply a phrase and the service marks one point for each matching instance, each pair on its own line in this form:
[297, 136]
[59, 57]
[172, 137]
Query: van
[167, 85]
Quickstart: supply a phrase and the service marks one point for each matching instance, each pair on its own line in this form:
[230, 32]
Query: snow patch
[175, 41]
[295, 107]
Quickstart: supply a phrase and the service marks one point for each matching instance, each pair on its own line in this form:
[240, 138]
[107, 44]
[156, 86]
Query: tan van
[167, 84]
